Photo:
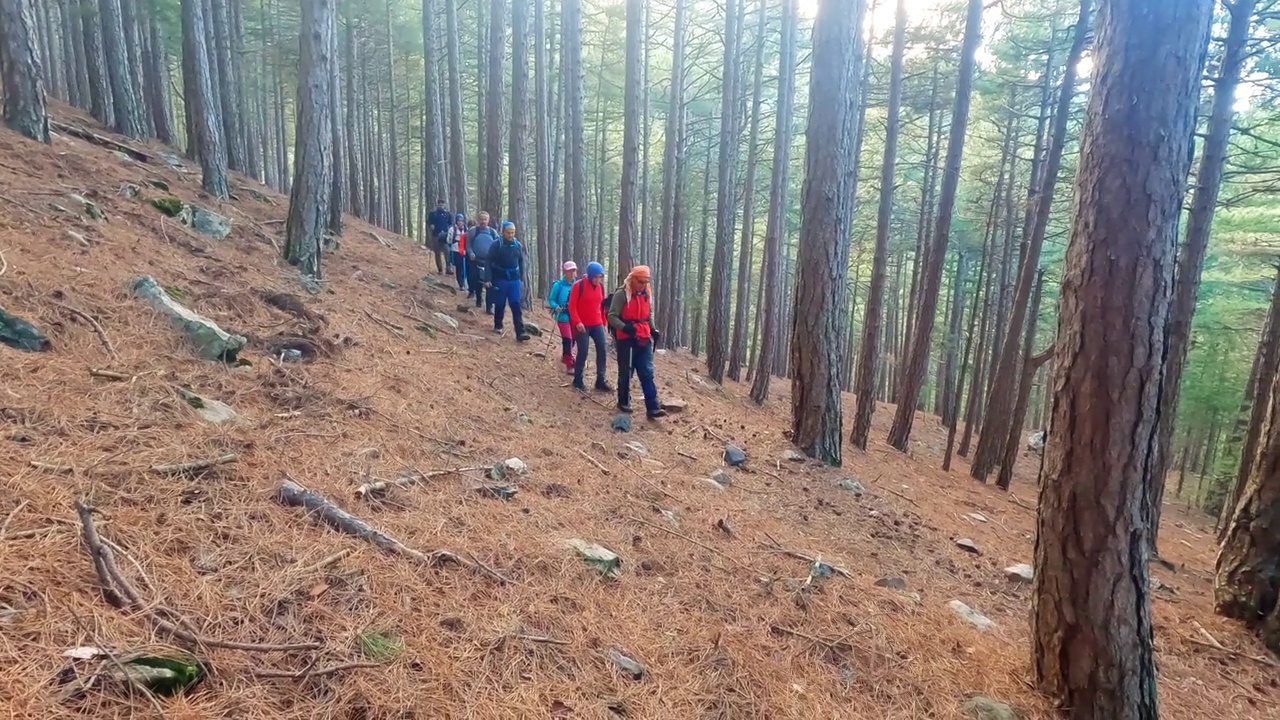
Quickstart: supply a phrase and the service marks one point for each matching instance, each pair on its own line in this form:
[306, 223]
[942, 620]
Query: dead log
[291, 494]
[381, 486]
[99, 140]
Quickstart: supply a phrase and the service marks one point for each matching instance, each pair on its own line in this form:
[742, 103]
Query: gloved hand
[656, 335]
[629, 328]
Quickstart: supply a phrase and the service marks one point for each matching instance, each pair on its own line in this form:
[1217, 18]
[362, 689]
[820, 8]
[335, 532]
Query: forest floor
[715, 596]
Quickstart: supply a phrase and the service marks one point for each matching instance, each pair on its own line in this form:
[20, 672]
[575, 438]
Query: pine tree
[24, 107]
[313, 168]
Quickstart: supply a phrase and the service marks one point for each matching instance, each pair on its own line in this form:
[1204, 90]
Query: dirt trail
[712, 597]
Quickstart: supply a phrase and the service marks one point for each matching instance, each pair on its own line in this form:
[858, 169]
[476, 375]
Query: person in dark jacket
[506, 275]
[480, 240]
[630, 317]
[440, 220]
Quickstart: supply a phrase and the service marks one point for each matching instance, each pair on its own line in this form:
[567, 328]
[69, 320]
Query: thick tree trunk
[73, 53]
[916, 365]
[518, 153]
[1004, 392]
[548, 256]
[1213, 159]
[200, 105]
[869, 354]
[229, 100]
[628, 210]
[355, 173]
[825, 224]
[575, 134]
[99, 91]
[313, 169]
[493, 52]
[124, 101]
[156, 82]
[1091, 613]
[668, 238]
[1013, 443]
[457, 141]
[337, 175]
[24, 102]
[726, 197]
[698, 306]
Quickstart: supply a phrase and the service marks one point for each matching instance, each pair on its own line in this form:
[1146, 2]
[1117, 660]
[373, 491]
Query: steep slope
[715, 596]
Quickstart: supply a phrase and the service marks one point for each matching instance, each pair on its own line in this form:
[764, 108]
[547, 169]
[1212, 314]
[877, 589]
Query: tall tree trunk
[1213, 159]
[699, 305]
[44, 48]
[869, 355]
[669, 238]
[1093, 648]
[947, 375]
[575, 140]
[628, 225]
[928, 185]
[24, 102]
[229, 101]
[204, 112]
[722, 259]
[826, 222]
[1013, 442]
[494, 55]
[980, 283]
[73, 53]
[156, 82]
[313, 169]
[337, 174]
[457, 141]
[517, 171]
[127, 120]
[548, 257]
[916, 366]
[738, 346]
[1004, 392]
[99, 92]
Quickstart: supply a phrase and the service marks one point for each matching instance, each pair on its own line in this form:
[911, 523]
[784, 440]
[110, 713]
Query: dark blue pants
[637, 357]
[460, 268]
[594, 333]
[508, 293]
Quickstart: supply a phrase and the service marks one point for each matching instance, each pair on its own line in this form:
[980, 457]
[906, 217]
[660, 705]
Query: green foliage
[170, 206]
[379, 645]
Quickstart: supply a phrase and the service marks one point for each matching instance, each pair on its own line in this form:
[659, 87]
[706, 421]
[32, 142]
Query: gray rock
[206, 222]
[793, 456]
[637, 447]
[500, 491]
[18, 333]
[673, 405]
[621, 423]
[208, 409]
[852, 486]
[211, 341]
[131, 191]
[389, 285]
[158, 184]
[88, 207]
[977, 517]
[447, 320]
[892, 582]
[1020, 573]
[173, 162]
[631, 667]
[122, 157]
[968, 546]
[712, 483]
[981, 707]
[734, 455]
[971, 616]
[722, 478]
[532, 329]
[291, 355]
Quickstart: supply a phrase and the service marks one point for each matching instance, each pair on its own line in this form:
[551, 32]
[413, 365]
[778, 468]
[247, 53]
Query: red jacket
[631, 308]
[586, 303]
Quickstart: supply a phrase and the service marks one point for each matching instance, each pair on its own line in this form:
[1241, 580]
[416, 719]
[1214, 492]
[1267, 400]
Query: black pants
[637, 355]
[475, 282]
[593, 333]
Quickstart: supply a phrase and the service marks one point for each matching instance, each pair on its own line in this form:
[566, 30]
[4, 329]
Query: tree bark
[493, 53]
[313, 167]
[869, 354]
[73, 53]
[916, 366]
[1091, 614]
[200, 105]
[228, 95]
[99, 91]
[722, 258]
[156, 81]
[24, 101]
[337, 177]
[628, 211]
[825, 225]
[1213, 159]
[1013, 442]
[127, 120]
[575, 134]
[457, 140]
[669, 238]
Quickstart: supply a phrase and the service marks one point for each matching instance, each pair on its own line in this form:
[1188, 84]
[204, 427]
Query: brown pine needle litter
[751, 624]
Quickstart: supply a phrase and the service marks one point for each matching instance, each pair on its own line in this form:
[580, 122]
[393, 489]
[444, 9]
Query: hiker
[586, 315]
[480, 240]
[506, 276]
[631, 322]
[440, 220]
[558, 301]
[457, 242]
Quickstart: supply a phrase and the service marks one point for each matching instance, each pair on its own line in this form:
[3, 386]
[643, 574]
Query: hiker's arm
[618, 302]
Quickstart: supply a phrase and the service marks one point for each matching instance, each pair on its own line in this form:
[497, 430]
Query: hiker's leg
[642, 360]
[602, 353]
[624, 372]
[499, 308]
[512, 291]
[580, 362]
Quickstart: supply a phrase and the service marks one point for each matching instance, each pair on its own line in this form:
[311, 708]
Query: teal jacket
[558, 299]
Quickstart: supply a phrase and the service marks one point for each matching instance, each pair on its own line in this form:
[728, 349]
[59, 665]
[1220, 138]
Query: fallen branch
[414, 478]
[109, 375]
[292, 494]
[310, 672]
[49, 467]
[595, 462]
[1212, 642]
[397, 330]
[778, 548]
[682, 453]
[4, 529]
[326, 562]
[99, 140]
[196, 465]
[4, 264]
[704, 546]
[97, 328]
[1014, 499]
[121, 593]
[541, 639]
[895, 493]
[652, 485]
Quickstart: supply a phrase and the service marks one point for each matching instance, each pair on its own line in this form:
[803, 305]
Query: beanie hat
[459, 216]
[508, 224]
[594, 269]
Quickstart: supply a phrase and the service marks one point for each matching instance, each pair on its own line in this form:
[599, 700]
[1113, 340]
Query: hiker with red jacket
[630, 318]
[586, 316]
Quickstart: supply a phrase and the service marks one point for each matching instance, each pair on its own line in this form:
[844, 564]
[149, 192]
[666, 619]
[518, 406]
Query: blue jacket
[440, 220]
[480, 241]
[558, 299]
[506, 261]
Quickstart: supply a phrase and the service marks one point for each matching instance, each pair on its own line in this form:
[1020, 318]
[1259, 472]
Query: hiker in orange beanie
[630, 318]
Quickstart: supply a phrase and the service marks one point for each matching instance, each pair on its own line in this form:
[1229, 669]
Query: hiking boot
[497, 331]
[579, 386]
[659, 413]
[624, 407]
[522, 338]
[602, 386]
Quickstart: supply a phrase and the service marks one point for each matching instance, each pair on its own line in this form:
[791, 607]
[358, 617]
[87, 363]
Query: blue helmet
[594, 269]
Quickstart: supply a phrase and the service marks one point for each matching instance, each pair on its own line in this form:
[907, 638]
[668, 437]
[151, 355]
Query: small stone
[673, 405]
[464, 308]
[88, 207]
[502, 492]
[532, 329]
[734, 455]
[852, 486]
[971, 616]
[447, 320]
[621, 423]
[977, 517]
[516, 465]
[291, 355]
[122, 157]
[968, 546]
[80, 240]
[627, 665]
[1020, 573]
[389, 285]
[713, 483]
[793, 456]
[892, 582]
[523, 418]
[173, 161]
[637, 447]
[671, 517]
[158, 184]
[981, 707]
[206, 222]
[130, 191]
[722, 478]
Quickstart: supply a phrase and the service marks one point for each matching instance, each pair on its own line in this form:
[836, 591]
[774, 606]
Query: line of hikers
[491, 269]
